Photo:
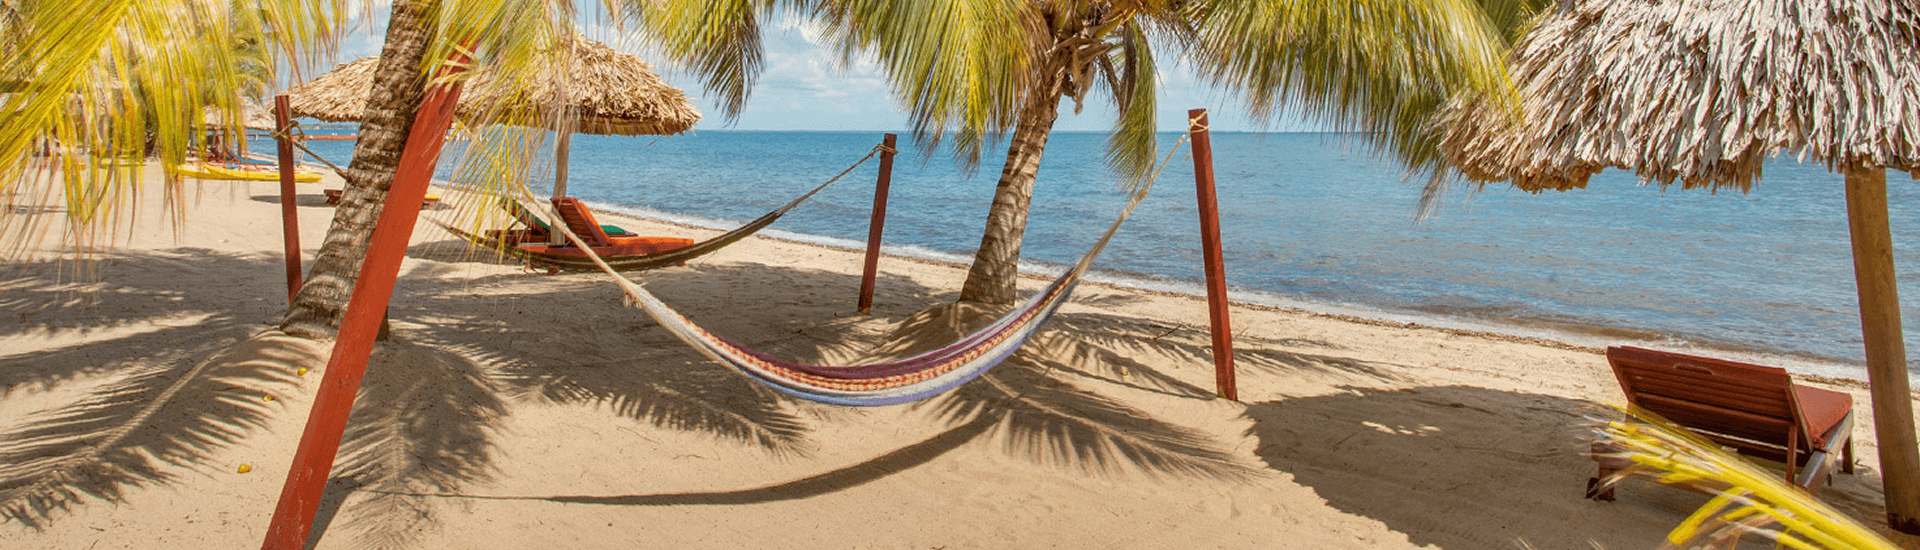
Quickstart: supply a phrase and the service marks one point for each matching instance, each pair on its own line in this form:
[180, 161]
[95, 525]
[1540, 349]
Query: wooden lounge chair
[1754, 410]
[581, 222]
[534, 229]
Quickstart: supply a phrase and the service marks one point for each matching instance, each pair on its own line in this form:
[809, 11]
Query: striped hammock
[659, 259]
[900, 381]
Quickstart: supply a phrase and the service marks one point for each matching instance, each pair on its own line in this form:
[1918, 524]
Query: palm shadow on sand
[1464, 467]
[146, 416]
[426, 420]
[1032, 403]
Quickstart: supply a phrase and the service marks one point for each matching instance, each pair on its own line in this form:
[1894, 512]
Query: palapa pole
[313, 461]
[1216, 266]
[289, 213]
[1885, 346]
[561, 147]
[878, 224]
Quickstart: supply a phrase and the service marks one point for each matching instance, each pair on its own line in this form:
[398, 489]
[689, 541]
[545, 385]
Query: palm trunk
[997, 265]
[398, 85]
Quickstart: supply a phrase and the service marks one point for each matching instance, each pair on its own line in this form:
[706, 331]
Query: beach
[516, 409]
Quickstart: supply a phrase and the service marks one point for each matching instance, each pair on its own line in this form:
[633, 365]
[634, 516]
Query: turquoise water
[1318, 222]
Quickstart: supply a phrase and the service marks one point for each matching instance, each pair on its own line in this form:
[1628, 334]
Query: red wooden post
[289, 214]
[313, 461]
[874, 228]
[1210, 252]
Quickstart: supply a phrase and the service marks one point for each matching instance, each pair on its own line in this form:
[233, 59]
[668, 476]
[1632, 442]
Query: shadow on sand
[1420, 460]
[164, 394]
[462, 351]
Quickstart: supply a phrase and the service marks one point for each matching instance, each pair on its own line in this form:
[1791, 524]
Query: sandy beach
[515, 409]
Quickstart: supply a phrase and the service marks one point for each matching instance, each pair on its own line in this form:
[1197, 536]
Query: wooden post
[289, 212]
[1885, 345]
[875, 227]
[1216, 266]
[562, 146]
[313, 461]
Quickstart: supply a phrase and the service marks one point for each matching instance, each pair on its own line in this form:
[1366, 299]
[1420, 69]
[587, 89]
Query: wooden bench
[1754, 410]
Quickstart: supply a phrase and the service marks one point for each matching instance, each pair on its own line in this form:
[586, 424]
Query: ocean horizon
[1322, 222]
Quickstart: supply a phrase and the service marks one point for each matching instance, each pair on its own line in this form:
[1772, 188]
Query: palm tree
[992, 69]
[126, 75]
[520, 39]
[135, 74]
[399, 84]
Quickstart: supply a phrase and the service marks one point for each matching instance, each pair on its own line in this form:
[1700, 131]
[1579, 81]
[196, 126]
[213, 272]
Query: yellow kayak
[230, 171]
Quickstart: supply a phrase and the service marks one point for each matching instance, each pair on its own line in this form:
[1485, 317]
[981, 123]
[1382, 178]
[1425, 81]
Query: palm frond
[1374, 66]
[129, 80]
[718, 39]
[1132, 83]
[1749, 501]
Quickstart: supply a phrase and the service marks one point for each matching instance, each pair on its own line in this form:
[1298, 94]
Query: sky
[806, 87]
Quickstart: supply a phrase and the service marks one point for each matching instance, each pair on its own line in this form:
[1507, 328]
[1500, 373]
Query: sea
[1323, 222]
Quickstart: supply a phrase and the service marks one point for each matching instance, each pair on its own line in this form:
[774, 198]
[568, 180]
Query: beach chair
[1754, 410]
[535, 230]
[580, 220]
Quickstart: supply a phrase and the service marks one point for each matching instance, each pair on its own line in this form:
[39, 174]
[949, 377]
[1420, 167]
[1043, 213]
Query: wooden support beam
[877, 226]
[313, 461]
[1885, 345]
[1211, 254]
[289, 212]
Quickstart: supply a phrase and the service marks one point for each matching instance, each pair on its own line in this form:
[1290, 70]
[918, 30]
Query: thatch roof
[254, 117]
[612, 92]
[1700, 91]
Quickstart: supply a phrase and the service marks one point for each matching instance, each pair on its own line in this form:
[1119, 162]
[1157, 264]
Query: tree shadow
[149, 299]
[424, 420]
[162, 413]
[1463, 467]
[164, 387]
[641, 371]
[894, 462]
[465, 346]
[299, 199]
[1117, 347]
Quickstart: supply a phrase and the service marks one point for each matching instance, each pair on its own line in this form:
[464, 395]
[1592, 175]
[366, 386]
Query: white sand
[521, 410]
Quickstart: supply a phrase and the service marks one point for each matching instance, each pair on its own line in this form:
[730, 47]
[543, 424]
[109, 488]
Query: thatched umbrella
[606, 91]
[1702, 92]
[253, 117]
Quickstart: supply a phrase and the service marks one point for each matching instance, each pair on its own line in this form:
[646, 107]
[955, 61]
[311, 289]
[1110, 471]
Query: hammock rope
[670, 257]
[892, 382]
[294, 127]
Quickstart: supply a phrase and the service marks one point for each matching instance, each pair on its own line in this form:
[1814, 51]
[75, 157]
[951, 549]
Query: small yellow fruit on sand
[302, 371]
[244, 468]
[268, 398]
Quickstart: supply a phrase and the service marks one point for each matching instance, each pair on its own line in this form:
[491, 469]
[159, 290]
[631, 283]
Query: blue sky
[806, 87]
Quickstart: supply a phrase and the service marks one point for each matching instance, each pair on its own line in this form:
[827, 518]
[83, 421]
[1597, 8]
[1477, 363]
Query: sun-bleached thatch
[1699, 91]
[613, 93]
[253, 116]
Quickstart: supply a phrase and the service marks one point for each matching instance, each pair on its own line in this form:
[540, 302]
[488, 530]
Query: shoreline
[1575, 336]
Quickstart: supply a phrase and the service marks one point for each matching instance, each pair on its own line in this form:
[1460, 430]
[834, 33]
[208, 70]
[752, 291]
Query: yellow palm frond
[1381, 67]
[132, 79]
[1749, 500]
